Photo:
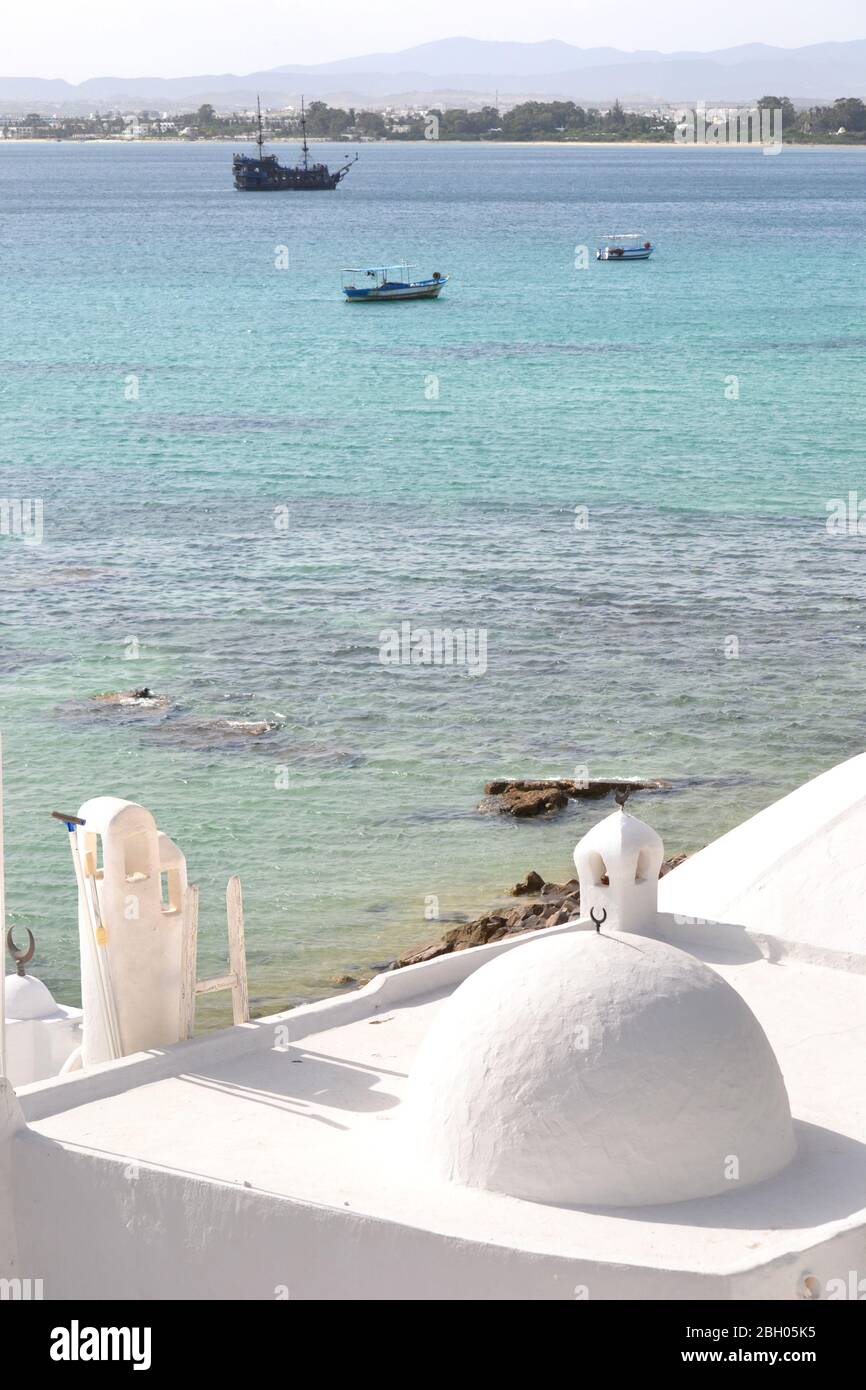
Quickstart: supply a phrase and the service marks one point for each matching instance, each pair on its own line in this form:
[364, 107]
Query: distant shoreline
[837, 144]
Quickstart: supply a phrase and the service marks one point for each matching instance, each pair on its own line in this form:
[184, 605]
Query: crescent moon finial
[600, 920]
[21, 957]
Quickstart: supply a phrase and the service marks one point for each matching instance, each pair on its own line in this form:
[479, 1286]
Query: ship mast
[261, 139]
[306, 147]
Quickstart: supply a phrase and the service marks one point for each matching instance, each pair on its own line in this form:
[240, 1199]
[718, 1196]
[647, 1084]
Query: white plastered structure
[618, 863]
[273, 1159]
[140, 878]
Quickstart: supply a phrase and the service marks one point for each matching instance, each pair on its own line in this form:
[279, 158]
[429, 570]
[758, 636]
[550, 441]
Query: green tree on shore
[789, 114]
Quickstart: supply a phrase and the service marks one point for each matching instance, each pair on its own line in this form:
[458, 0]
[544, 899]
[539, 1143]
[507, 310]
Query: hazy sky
[136, 38]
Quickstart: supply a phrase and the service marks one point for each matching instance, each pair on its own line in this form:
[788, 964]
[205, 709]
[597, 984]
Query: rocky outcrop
[522, 800]
[552, 904]
[522, 797]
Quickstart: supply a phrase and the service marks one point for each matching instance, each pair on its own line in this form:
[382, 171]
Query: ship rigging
[263, 173]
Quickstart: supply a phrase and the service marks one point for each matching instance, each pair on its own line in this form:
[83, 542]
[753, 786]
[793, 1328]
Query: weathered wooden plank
[237, 950]
[219, 982]
[189, 953]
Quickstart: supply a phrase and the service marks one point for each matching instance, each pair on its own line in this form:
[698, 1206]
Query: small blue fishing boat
[391, 282]
[624, 246]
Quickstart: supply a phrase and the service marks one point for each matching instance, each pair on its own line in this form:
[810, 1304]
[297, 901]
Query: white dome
[27, 997]
[588, 1069]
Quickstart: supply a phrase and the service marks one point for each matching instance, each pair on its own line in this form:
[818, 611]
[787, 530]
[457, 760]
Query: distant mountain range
[459, 71]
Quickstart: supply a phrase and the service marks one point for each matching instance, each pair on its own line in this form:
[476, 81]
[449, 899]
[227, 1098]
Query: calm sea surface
[170, 394]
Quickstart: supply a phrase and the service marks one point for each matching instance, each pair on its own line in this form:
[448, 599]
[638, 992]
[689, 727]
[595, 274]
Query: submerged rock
[142, 697]
[211, 735]
[87, 572]
[322, 755]
[177, 726]
[253, 727]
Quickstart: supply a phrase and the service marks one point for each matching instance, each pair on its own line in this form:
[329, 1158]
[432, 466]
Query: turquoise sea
[244, 480]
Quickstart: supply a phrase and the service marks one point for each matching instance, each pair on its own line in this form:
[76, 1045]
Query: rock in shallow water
[522, 797]
[533, 883]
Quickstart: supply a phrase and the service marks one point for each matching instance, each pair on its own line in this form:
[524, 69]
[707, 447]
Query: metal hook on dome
[598, 921]
[21, 957]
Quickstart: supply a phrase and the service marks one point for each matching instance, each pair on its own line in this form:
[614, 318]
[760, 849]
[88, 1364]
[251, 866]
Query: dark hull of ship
[267, 176]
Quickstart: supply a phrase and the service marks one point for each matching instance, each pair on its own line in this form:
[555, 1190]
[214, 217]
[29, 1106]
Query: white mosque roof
[280, 1154]
[271, 1154]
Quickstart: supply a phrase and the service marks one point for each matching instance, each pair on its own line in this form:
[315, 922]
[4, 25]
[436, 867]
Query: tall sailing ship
[263, 173]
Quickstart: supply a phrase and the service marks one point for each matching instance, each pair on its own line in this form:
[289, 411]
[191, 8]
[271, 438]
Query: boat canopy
[377, 269]
[625, 236]
[376, 275]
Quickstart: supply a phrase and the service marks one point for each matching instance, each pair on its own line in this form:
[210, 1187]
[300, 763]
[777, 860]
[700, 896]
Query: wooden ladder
[235, 980]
